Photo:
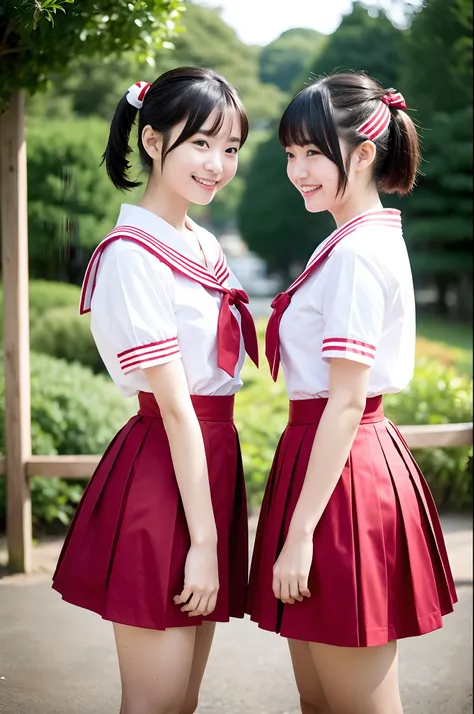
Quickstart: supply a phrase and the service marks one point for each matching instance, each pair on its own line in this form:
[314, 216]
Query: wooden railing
[417, 437]
[76, 467]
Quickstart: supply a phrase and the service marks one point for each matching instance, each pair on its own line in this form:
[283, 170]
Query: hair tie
[394, 99]
[379, 120]
[136, 94]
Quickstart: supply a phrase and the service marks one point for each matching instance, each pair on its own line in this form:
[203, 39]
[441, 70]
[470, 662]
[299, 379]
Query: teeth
[204, 183]
[307, 189]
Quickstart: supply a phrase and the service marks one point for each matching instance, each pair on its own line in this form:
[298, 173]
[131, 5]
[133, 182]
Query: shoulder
[127, 256]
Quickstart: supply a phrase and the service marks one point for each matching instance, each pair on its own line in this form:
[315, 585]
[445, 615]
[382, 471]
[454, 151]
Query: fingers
[294, 590]
[198, 603]
[303, 587]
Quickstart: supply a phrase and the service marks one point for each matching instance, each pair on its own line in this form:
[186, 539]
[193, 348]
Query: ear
[364, 155]
[152, 142]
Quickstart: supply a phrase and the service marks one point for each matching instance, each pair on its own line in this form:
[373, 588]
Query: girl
[158, 544]
[349, 554]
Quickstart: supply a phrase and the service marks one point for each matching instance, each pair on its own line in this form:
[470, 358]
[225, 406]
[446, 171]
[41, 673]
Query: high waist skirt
[380, 570]
[125, 551]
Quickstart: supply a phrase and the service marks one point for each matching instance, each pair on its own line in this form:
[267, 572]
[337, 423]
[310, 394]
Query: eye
[201, 142]
[232, 150]
[313, 152]
[289, 155]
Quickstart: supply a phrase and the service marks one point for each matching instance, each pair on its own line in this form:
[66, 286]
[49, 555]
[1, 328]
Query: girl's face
[315, 176]
[203, 164]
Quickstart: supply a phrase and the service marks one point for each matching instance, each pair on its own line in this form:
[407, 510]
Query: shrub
[61, 332]
[44, 295]
[72, 412]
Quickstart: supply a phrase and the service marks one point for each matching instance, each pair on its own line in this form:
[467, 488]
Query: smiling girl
[349, 553]
[159, 544]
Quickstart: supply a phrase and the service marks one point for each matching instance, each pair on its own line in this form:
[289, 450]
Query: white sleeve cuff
[344, 348]
[150, 355]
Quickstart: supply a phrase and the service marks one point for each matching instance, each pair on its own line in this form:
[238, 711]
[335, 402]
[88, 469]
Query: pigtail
[399, 169]
[118, 146]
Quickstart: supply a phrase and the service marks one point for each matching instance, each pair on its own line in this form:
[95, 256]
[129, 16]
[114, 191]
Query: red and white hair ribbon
[136, 94]
[379, 120]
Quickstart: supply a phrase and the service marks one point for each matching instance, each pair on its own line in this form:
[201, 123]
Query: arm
[331, 447]
[169, 386]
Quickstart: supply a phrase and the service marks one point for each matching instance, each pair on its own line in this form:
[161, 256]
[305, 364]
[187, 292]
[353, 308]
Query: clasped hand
[291, 570]
[201, 581]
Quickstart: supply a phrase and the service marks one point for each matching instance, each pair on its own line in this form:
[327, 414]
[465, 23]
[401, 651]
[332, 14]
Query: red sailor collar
[384, 218]
[228, 331]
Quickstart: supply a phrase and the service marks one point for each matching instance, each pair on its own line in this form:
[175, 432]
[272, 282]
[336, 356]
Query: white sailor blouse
[355, 300]
[152, 301]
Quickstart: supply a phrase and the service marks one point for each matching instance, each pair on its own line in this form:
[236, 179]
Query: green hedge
[72, 412]
[45, 295]
[436, 395]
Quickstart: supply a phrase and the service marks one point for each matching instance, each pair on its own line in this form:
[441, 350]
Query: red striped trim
[156, 359]
[147, 346]
[347, 341]
[386, 218]
[347, 350]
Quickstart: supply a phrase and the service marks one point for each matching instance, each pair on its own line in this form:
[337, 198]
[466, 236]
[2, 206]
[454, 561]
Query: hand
[291, 571]
[201, 581]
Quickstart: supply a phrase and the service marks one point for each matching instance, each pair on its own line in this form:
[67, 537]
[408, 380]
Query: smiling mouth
[206, 183]
[309, 190]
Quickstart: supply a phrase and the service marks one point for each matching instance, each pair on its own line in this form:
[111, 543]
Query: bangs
[309, 119]
[200, 101]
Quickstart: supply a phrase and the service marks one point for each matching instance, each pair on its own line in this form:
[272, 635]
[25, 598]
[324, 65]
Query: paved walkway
[57, 659]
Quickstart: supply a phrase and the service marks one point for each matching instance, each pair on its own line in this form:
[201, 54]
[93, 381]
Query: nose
[214, 163]
[298, 170]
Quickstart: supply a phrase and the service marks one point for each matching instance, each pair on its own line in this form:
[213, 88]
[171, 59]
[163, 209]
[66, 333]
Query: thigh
[155, 667]
[359, 680]
[307, 678]
[202, 648]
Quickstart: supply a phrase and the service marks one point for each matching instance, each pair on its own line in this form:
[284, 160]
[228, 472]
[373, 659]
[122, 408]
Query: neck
[355, 205]
[165, 204]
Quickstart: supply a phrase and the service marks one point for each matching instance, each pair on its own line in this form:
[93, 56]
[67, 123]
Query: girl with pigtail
[349, 555]
[158, 544]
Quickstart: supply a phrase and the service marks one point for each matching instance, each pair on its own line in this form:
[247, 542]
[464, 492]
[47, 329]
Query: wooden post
[16, 332]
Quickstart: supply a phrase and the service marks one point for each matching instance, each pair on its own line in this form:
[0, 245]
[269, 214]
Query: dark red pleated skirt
[380, 570]
[125, 551]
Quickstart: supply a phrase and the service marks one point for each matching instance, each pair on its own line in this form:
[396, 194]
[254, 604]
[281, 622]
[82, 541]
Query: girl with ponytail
[158, 544]
[349, 555]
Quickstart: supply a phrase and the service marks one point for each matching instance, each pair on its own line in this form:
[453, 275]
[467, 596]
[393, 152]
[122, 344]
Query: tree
[289, 57]
[272, 216]
[72, 203]
[439, 215]
[31, 49]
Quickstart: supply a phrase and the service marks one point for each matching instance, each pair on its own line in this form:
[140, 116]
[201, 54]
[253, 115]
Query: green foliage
[288, 58]
[72, 203]
[363, 43]
[439, 216]
[30, 49]
[272, 217]
[72, 412]
[45, 295]
[438, 396]
[61, 332]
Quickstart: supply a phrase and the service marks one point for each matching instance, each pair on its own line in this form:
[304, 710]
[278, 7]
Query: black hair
[187, 94]
[332, 108]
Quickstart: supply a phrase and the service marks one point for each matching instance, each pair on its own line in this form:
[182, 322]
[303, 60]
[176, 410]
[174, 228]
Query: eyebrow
[231, 139]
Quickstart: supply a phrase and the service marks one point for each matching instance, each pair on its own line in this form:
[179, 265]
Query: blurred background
[269, 51]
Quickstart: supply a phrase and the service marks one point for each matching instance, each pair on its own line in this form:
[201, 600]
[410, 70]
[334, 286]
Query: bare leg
[312, 697]
[202, 647]
[359, 680]
[155, 667]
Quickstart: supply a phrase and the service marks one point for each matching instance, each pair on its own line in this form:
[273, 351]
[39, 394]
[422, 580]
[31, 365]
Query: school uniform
[152, 301]
[380, 571]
